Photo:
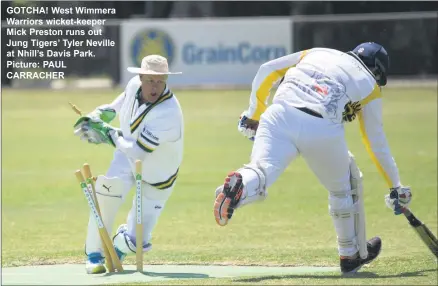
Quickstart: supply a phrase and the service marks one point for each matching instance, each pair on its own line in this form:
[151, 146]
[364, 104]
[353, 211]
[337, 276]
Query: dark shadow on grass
[161, 274]
[359, 275]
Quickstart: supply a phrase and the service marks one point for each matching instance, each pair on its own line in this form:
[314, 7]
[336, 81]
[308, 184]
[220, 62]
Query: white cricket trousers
[153, 199]
[285, 132]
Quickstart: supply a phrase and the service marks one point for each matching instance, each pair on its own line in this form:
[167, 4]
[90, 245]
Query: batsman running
[151, 130]
[318, 91]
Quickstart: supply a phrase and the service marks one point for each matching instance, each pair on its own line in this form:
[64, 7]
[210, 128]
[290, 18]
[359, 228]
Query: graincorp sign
[206, 51]
[241, 53]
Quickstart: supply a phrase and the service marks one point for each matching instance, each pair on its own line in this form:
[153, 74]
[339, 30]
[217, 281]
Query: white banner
[207, 51]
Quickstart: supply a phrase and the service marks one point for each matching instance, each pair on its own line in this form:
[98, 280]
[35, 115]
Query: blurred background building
[407, 29]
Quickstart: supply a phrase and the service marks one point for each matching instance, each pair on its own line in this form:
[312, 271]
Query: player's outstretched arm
[374, 138]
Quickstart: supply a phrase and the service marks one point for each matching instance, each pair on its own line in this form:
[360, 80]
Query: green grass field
[44, 213]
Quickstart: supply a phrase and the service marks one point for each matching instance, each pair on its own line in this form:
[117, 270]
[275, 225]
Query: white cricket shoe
[95, 263]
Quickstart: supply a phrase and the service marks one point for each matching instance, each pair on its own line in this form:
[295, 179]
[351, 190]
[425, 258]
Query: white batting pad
[109, 193]
[348, 214]
[357, 190]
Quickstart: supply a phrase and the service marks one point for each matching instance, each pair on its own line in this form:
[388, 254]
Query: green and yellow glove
[104, 132]
[101, 113]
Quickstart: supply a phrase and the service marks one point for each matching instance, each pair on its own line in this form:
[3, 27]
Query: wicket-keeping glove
[97, 132]
[398, 199]
[86, 134]
[105, 132]
[104, 114]
[247, 126]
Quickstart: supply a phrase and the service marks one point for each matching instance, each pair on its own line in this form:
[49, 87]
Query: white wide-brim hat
[153, 64]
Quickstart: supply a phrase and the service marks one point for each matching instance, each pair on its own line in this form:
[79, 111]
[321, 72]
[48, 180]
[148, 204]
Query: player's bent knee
[109, 186]
[109, 193]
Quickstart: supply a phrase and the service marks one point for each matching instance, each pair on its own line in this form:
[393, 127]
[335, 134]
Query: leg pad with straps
[347, 211]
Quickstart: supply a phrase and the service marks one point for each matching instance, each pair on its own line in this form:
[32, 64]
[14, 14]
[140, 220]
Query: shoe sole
[220, 209]
[97, 270]
[222, 202]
